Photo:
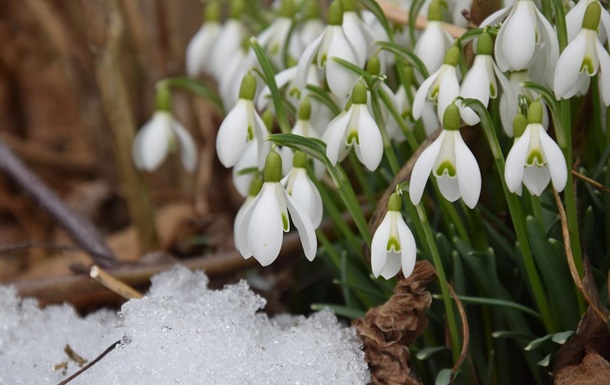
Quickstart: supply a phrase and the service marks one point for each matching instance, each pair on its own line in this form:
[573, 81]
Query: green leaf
[496, 302]
[510, 334]
[325, 97]
[535, 344]
[368, 78]
[194, 87]
[376, 10]
[406, 54]
[339, 310]
[553, 104]
[561, 338]
[426, 353]
[546, 361]
[443, 377]
[247, 170]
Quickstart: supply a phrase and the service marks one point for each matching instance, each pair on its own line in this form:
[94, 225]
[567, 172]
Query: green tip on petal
[373, 66]
[592, 16]
[212, 11]
[452, 57]
[237, 8]
[485, 45]
[359, 94]
[163, 99]
[435, 11]
[268, 118]
[273, 167]
[299, 160]
[286, 9]
[451, 118]
[395, 202]
[335, 13]
[349, 5]
[519, 125]
[534, 113]
[305, 109]
[255, 186]
[248, 87]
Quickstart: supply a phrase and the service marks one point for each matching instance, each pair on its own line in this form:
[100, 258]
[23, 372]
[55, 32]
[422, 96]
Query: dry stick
[400, 15]
[79, 228]
[566, 242]
[114, 284]
[465, 332]
[107, 44]
[95, 361]
[592, 182]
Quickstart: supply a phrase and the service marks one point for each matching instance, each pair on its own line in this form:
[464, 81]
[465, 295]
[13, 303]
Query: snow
[180, 333]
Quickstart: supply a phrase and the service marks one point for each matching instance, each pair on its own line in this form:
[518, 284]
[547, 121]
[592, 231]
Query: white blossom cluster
[513, 45]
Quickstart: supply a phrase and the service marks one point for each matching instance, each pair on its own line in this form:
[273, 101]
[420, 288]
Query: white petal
[515, 161]
[154, 140]
[551, 43]
[568, 67]
[432, 46]
[199, 49]
[241, 243]
[248, 160]
[448, 91]
[555, 160]
[369, 148]
[335, 136]
[496, 17]
[228, 41]
[379, 246]
[281, 79]
[536, 178]
[475, 86]
[423, 167]
[468, 173]
[519, 39]
[136, 150]
[574, 19]
[265, 228]
[604, 74]
[233, 135]
[241, 240]
[306, 60]
[188, 149]
[306, 230]
[352, 26]
[449, 187]
[340, 79]
[307, 197]
[408, 251]
[422, 94]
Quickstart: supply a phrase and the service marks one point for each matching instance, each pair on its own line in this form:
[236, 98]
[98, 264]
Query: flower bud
[305, 109]
[452, 57]
[519, 125]
[395, 202]
[163, 98]
[255, 186]
[592, 16]
[534, 113]
[273, 167]
[248, 87]
[485, 45]
[299, 160]
[335, 13]
[451, 118]
[359, 94]
[435, 11]
[373, 66]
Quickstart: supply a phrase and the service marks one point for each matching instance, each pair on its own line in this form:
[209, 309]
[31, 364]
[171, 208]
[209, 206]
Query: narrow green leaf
[325, 97]
[546, 361]
[376, 10]
[496, 302]
[535, 344]
[561, 338]
[426, 353]
[406, 54]
[443, 377]
[196, 88]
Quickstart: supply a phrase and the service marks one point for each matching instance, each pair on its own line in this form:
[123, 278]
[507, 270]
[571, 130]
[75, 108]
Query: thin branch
[465, 332]
[79, 228]
[114, 284]
[95, 361]
[592, 182]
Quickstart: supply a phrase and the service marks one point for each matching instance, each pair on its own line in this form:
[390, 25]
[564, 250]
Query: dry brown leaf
[387, 330]
[594, 370]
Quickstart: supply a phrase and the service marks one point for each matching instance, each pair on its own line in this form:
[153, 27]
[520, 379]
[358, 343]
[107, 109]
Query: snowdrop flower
[256, 183]
[509, 101]
[524, 33]
[260, 232]
[428, 115]
[480, 81]
[273, 39]
[574, 20]
[357, 32]
[393, 244]
[582, 58]
[434, 41]
[303, 127]
[332, 43]
[242, 125]
[442, 86]
[229, 40]
[161, 135]
[451, 162]
[199, 49]
[535, 159]
[355, 127]
[302, 190]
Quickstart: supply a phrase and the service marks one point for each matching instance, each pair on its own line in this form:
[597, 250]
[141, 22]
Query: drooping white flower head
[241, 125]
[332, 43]
[535, 159]
[264, 222]
[583, 58]
[304, 127]
[574, 20]
[441, 87]
[509, 101]
[393, 244]
[274, 37]
[355, 128]
[199, 50]
[428, 114]
[525, 36]
[302, 190]
[480, 81]
[229, 40]
[161, 135]
[451, 162]
[434, 42]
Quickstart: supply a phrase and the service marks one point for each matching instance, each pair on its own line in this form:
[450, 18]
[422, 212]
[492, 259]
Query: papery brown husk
[387, 330]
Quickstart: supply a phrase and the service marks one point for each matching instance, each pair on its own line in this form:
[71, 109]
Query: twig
[568, 248]
[113, 284]
[79, 228]
[592, 182]
[400, 15]
[465, 332]
[95, 361]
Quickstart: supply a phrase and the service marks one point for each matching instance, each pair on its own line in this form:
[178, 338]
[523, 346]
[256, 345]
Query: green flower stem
[436, 257]
[361, 178]
[449, 211]
[388, 149]
[385, 98]
[537, 208]
[194, 87]
[517, 216]
[336, 261]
